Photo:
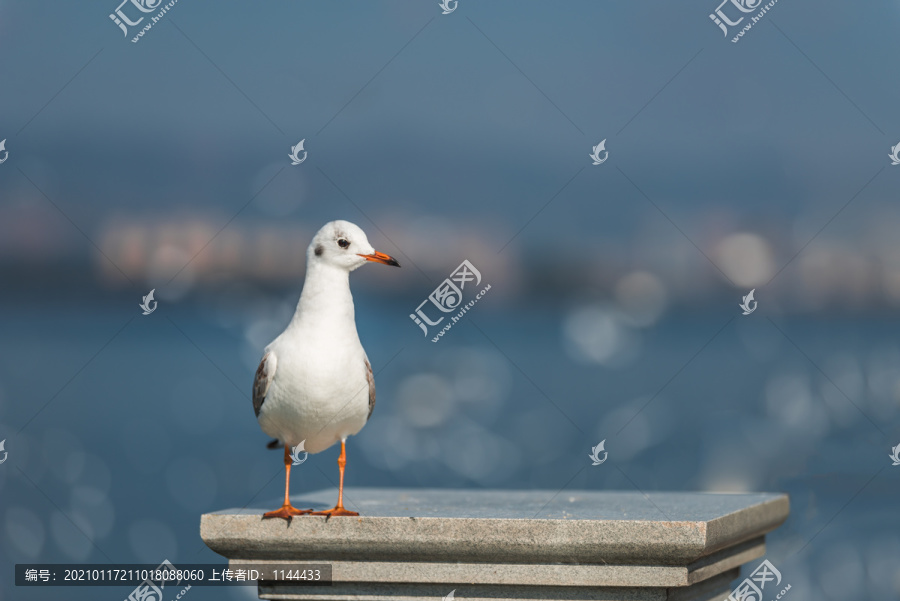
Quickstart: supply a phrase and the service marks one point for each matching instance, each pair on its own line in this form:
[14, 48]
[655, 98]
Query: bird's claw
[335, 511]
[287, 512]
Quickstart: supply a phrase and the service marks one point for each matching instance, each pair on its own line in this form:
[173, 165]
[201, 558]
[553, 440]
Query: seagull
[314, 384]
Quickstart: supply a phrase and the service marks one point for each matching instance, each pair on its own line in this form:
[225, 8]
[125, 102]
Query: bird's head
[344, 245]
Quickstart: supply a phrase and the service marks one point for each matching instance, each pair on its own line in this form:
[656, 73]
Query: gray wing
[264, 375]
[371, 379]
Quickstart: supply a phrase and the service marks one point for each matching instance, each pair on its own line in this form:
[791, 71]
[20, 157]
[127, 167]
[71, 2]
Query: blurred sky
[412, 119]
[613, 312]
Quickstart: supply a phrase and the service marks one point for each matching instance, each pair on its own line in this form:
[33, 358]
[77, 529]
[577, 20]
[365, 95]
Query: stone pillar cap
[500, 526]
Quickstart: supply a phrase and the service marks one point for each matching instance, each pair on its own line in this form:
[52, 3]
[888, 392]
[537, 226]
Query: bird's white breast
[319, 393]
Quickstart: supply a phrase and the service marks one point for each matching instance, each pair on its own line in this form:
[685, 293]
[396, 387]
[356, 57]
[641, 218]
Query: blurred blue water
[155, 431]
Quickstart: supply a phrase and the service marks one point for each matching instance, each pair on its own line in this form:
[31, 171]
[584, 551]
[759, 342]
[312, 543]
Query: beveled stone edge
[458, 573]
[725, 559]
[719, 531]
[453, 574]
[566, 541]
[714, 589]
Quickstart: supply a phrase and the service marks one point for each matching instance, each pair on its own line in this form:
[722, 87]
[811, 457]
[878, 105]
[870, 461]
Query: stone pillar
[490, 544]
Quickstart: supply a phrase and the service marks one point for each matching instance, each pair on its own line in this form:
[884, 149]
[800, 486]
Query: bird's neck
[325, 298]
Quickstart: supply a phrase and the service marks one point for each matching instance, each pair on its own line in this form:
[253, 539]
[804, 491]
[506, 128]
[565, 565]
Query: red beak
[378, 257]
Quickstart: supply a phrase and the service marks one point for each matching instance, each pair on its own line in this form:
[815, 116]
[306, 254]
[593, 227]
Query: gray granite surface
[530, 504]
[583, 527]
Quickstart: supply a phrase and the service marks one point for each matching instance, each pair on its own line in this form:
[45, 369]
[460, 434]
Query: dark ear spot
[319, 250]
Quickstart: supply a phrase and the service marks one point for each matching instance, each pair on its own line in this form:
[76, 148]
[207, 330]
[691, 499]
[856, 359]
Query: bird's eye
[343, 243]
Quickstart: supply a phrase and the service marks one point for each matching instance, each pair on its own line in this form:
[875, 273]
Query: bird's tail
[275, 444]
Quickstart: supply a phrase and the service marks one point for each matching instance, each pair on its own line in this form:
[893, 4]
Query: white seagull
[314, 384]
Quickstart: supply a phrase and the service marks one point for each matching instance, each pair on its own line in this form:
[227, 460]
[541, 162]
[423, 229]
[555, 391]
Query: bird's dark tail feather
[275, 444]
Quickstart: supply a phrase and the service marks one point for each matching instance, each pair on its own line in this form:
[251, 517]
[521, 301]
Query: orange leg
[339, 508]
[287, 510]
